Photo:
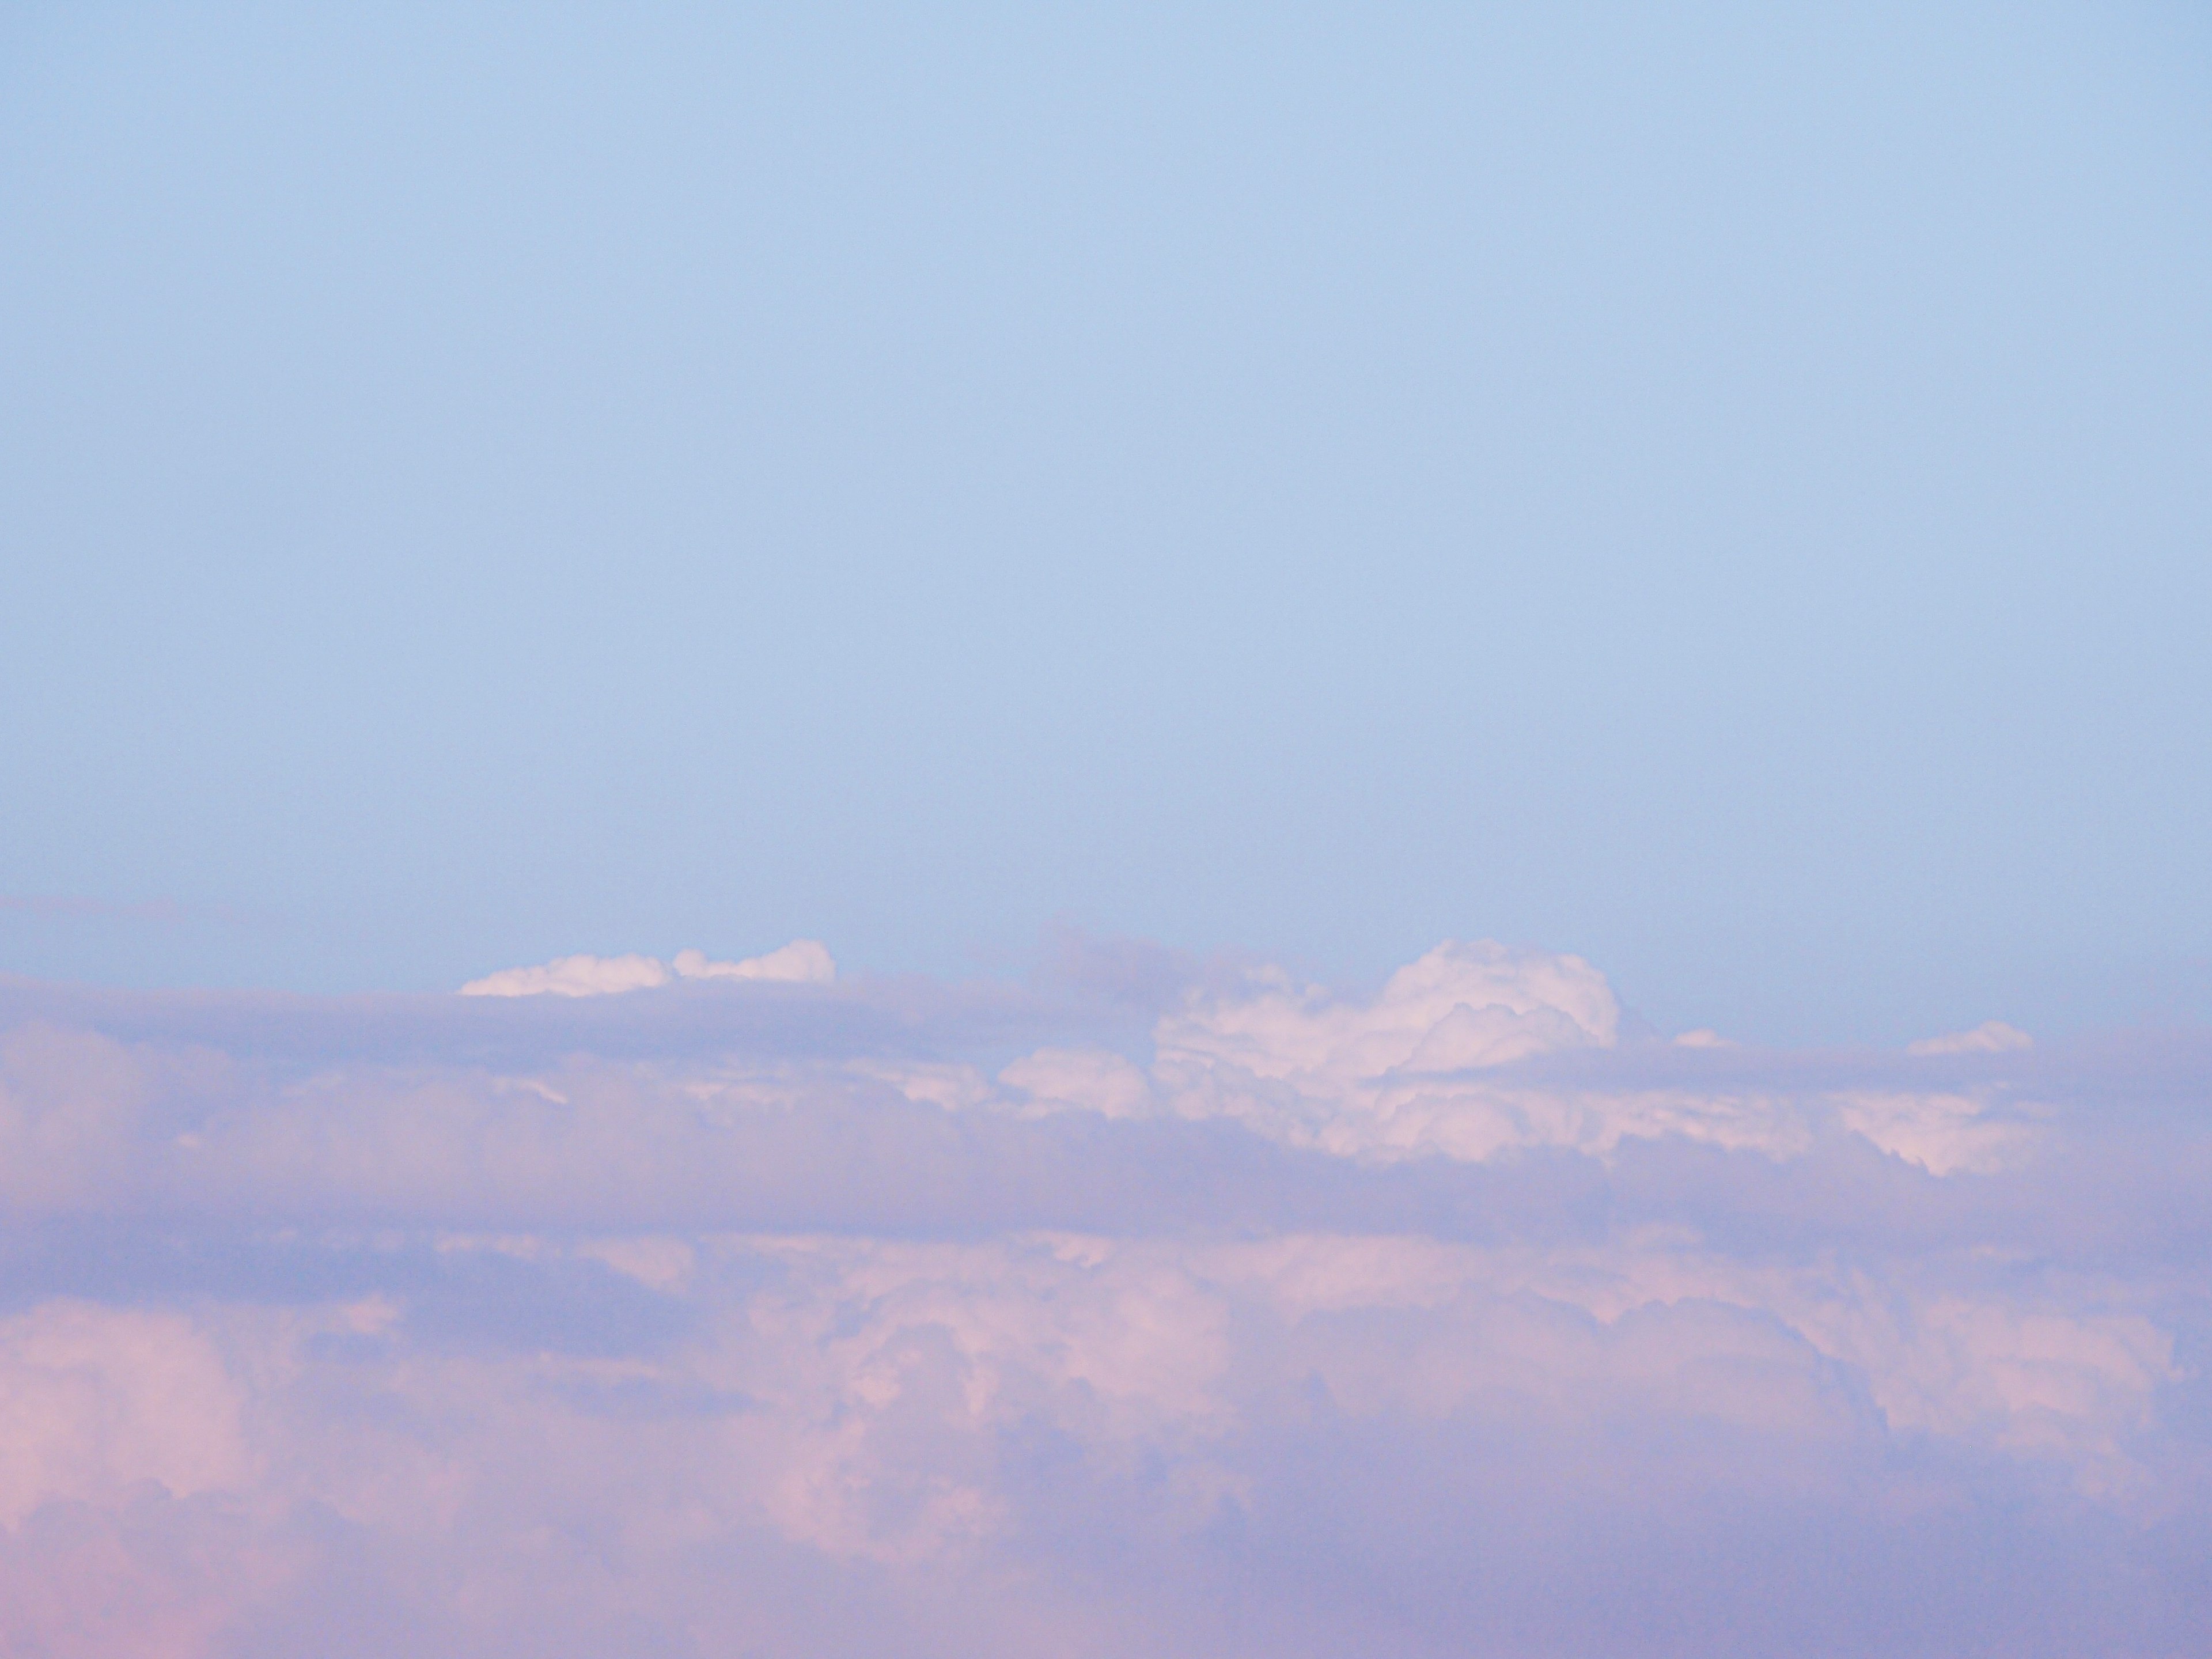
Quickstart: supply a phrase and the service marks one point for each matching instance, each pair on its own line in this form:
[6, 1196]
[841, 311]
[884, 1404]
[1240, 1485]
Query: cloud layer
[1154, 1307]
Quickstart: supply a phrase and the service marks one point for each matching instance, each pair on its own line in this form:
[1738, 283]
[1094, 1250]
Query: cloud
[1942, 1133]
[1163, 1307]
[1093, 1079]
[1703, 1037]
[98, 1400]
[804, 959]
[572, 976]
[1991, 1037]
[1459, 1006]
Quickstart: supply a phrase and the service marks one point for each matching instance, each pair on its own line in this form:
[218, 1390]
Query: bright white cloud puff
[572, 976]
[1269, 1320]
[1991, 1037]
[803, 959]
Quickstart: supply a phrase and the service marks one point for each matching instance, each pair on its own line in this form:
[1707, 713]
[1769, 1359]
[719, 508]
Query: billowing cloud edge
[804, 960]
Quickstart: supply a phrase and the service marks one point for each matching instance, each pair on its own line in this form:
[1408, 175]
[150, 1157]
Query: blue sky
[933, 831]
[1714, 491]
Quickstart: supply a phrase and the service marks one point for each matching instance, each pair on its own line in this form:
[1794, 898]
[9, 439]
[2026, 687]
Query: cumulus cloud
[1703, 1037]
[1182, 1311]
[99, 1401]
[803, 959]
[1991, 1037]
[572, 976]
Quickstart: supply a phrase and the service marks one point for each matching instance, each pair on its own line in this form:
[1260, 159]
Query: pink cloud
[1447, 1313]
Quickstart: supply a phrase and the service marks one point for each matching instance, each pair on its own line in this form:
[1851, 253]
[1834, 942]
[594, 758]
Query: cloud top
[572, 976]
[1991, 1037]
[803, 960]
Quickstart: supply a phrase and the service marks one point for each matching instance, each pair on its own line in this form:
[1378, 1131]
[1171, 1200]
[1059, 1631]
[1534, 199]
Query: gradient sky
[1068, 833]
[1718, 490]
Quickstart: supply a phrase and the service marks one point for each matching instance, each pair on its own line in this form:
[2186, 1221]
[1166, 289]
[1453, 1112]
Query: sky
[1063, 832]
[1717, 492]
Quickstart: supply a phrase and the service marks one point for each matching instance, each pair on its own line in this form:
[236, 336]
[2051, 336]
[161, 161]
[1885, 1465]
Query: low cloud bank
[1156, 1307]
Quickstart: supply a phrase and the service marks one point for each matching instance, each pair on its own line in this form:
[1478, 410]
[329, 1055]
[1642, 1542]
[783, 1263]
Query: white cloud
[1703, 1037]
[1435, 1063]
[1991, 1037]
[1096, 1079]
[1459, 1006]
[572, 976]
[1415, 1070]
[1395, 1071]
[803, 959]
[1944, 1133]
